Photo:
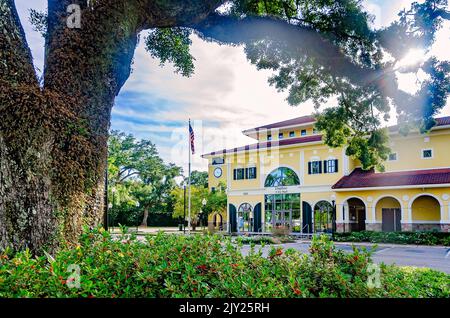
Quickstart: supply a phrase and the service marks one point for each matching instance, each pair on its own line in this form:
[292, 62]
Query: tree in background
[141, 179]
[198, 194]
[216, 201]
[198, 178]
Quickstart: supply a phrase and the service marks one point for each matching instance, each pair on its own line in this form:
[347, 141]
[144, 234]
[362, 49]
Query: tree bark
[144, 219]
[26, 209]
[53, 139]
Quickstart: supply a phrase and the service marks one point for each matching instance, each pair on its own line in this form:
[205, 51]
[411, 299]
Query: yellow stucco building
[289, 180]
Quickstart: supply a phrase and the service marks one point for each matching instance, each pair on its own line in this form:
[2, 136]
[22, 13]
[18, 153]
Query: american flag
[191, 136]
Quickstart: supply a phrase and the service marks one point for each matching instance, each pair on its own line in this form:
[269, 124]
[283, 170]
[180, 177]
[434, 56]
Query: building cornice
[419, 186]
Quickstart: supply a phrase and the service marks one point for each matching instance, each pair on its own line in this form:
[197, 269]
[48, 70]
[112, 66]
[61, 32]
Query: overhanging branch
[304, 41]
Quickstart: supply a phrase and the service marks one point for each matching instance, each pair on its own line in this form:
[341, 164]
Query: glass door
[282, 211]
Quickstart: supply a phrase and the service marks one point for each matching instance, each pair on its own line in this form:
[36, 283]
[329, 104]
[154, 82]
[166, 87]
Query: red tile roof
[269, 144]
[285, 123]
[370, 179]
[443, 121]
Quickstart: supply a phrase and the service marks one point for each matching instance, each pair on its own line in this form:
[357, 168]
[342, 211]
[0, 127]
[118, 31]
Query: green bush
[418, 238]
[206, 266]
[258, 240]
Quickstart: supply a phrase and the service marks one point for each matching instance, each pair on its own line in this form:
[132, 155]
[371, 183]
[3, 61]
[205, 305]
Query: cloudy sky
[225, 95]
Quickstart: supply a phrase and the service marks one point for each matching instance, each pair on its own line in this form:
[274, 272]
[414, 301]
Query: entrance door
[391, 220]
[282, 211]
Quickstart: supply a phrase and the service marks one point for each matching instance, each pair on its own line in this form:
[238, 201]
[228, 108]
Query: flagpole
[189, 179]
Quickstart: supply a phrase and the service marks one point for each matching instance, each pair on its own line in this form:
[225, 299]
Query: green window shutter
[325, 166]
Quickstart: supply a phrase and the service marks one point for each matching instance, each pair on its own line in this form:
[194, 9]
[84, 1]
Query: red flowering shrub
[205, 266]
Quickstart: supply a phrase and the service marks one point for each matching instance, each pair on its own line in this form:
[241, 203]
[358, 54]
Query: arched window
[245, 207]
[282, 177]
[245, 218]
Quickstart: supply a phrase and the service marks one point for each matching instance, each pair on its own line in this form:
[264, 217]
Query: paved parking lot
[436, 257]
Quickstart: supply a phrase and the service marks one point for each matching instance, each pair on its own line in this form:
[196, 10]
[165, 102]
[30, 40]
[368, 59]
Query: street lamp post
[184, 209]
[107, 217]
[113, 190]
[204, 201]
[333, 226]
[137, 223]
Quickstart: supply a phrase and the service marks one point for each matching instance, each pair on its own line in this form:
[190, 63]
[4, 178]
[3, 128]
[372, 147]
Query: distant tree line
[142, 188]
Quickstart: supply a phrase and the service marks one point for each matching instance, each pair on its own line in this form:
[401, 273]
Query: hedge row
[207, 266]
[418, 238]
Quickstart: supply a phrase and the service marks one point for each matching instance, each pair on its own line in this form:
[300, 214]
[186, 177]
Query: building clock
[217, 172]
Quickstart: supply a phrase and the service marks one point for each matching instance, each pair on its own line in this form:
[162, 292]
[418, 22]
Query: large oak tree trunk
[53, 137]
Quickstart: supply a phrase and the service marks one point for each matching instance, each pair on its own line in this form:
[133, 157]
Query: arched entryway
[245, 218]
[356, 214]
[218, 221]
[323, 217]
[388, 210]
[426, 212]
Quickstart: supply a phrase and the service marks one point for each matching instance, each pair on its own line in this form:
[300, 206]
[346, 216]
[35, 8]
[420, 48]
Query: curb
[382, 244]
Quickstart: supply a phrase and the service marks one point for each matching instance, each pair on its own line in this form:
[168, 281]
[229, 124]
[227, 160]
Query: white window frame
[426, 149]
[329, 159]
[396, 157]
[238, 167]
[256, 175]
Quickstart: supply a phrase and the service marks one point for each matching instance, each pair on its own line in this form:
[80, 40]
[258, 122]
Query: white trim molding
[345, 163]
[302, 165]
[280, 190]
[419, 186]
[427, 158]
